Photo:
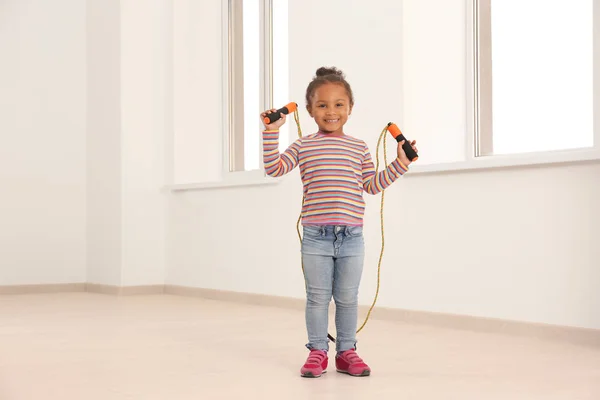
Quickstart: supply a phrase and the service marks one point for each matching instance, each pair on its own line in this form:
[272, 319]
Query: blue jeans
[333, 259]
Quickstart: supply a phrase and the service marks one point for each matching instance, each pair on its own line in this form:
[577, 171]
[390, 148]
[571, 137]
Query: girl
[335, 169]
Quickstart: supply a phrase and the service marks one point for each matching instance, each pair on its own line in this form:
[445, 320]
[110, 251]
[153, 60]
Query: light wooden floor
[87, 346]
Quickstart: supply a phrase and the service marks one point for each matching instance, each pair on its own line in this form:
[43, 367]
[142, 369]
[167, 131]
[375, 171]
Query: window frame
[479, 113]
[233, 139]
[257, 177]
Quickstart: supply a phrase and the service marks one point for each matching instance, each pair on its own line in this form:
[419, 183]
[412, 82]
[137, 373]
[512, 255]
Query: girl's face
[330, 107]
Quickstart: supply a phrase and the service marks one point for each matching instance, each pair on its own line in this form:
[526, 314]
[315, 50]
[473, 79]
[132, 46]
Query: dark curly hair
[328, 75]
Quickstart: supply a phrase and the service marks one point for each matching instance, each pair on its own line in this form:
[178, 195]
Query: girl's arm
[373, 182]
[276, 164]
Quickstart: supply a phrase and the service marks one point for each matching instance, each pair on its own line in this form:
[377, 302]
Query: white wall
[129, 118]
[433, 69]
[197, 90]
[104, 238]
[43, 141]
[85, 110]
[517, 244]
[146, 122]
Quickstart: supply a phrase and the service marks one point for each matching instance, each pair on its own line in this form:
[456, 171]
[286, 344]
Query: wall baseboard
[574, 335]
[83, 287]
[43, 288]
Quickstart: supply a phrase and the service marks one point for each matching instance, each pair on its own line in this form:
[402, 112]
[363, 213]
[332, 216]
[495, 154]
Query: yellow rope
[384, 136]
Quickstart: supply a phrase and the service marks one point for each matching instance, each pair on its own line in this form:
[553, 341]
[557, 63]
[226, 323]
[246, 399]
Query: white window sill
[258, 178]
[234, 179]
[507, 161]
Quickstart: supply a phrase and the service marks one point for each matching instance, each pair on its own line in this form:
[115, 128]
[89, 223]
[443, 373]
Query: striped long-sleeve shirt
[335, 170]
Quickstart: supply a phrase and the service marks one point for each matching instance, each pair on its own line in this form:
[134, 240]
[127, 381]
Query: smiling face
[330, 107]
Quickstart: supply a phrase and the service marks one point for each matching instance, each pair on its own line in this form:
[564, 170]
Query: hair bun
[324, 71]
[328, 75]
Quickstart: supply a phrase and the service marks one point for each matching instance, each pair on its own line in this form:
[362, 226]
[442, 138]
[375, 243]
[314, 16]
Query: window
[534, 76]
[257, 71]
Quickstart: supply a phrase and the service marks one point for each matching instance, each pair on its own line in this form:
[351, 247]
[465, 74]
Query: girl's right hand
[275, 125]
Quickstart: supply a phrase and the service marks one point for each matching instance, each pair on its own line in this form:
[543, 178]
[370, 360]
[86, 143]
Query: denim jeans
[333, 259]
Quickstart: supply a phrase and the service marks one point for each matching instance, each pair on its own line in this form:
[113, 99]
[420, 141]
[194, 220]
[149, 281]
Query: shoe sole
[366, 372]
[311, 375]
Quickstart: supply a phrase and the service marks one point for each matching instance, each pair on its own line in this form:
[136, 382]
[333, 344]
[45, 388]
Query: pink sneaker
[350, 363]
[315, 364]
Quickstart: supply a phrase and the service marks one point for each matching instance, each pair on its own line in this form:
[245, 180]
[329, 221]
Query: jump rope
[410, 153]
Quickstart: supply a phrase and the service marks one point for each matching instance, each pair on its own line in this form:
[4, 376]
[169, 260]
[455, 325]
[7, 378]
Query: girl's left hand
[402, 155]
